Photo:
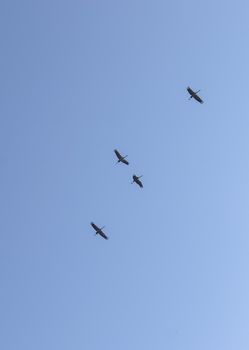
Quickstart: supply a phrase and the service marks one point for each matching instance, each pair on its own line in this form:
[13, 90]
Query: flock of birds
[136, 179]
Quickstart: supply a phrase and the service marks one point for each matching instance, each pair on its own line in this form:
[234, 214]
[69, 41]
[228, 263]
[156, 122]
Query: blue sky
[78, 79]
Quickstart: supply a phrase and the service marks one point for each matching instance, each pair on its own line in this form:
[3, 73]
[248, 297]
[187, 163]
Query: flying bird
[194, 94]
[136, 179]
[121, 158]
[99, 230]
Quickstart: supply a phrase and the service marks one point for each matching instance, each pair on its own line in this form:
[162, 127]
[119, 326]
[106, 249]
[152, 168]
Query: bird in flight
[99, 231]
[121, 158]
[136, 179]
[194, 95]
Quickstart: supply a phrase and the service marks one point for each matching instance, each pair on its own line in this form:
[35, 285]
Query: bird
[121, 158]
[136, 179]
[99, 230]
[194, 95]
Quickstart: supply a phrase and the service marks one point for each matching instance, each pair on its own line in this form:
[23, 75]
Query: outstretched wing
[103, 234]
[118, 154]
[198, 98]
[125, 161]
[190, 91]
[140, 184]
[96, 228]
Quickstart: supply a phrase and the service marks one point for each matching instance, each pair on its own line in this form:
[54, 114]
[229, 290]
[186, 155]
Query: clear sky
[78, 79]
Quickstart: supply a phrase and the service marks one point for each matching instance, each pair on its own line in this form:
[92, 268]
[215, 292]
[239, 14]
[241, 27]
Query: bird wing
[140, 184]
[198, 98]
[125, 161]
[190, 91]
[117, 154]
[96, 228]
[103, 234]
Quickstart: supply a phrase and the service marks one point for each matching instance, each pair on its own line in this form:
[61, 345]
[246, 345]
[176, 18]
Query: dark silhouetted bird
[121, 158]
[99, 230]
[136, 179]
[194, 95]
